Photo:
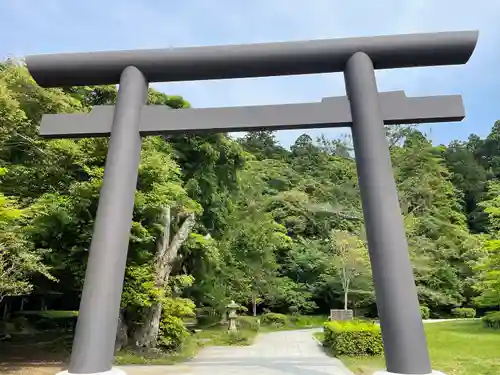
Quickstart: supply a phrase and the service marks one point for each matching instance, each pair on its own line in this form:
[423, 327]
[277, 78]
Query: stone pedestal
[341, 315]
[232, 316]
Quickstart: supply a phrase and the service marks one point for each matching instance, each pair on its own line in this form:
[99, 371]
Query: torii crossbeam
[363, 109]
[329, 113]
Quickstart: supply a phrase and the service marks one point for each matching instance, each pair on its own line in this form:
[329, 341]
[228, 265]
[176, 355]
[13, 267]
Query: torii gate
[364, 110]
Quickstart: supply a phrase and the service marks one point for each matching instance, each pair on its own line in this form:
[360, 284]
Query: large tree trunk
[121, 333]
[166, 253]
[147, 335]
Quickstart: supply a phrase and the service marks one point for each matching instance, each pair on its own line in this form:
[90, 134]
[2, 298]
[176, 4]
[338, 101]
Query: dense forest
[219, 219]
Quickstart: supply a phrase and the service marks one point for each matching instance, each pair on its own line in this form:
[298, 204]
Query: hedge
[249, 322]
[425, 312]
[207, 317]
[45, 320]
[49, 314]
[492, 320]
[353, 338]
[275, 319]
[463, 312]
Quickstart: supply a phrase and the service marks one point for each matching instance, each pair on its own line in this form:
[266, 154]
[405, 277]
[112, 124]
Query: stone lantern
[232, 307]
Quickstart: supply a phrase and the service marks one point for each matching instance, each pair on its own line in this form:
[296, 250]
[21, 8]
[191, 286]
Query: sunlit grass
[456, 348]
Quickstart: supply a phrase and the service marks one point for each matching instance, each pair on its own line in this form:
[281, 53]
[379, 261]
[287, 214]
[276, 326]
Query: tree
[487, 267]
[491, 206]
[167, 250]
[263, 145]
[252, 242]
[217, 219]
[350, 257]
[18, 260]
[439, 241]
[487, 280]
[470, 177]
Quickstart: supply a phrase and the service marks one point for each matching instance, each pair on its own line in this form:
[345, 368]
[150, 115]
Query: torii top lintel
[253, 60]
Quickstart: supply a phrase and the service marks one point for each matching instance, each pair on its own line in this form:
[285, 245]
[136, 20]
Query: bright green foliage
[285, 292]
[487, 265]
[492, 320]
[491, 205]
[425, 312]
[353, 338]
[173, 332]
[463, 312]
[488, 275]
[274, 319]
[308, 321]
[456, 347]
[18, 259]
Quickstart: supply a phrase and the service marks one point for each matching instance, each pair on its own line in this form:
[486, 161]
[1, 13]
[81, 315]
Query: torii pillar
[365, 110]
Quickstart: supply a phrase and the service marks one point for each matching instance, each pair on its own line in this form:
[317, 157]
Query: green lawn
[456, 348]
[297, 322]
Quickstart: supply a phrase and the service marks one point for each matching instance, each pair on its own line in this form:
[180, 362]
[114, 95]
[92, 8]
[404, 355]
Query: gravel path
[276, 353]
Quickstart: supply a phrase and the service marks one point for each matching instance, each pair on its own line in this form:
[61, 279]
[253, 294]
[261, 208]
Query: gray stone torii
[330, 112]
[364, 110]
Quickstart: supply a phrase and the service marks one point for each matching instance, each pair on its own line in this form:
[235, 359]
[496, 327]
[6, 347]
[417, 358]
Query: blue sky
[51, 26]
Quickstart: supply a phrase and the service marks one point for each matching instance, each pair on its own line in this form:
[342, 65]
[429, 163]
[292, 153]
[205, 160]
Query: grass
[297, 322]
[221, 337]
[456, 348]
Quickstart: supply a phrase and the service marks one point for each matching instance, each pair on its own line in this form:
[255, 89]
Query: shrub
[353, 338]
[207, 317]
[425, 312]
[278, 320]
[7, 328]
[172, 333]
[492, 320]
[21, 323]
[47, 320]
[249, 323]
[238, 338]
[463, 312]
[294, 310]
[307, 321]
